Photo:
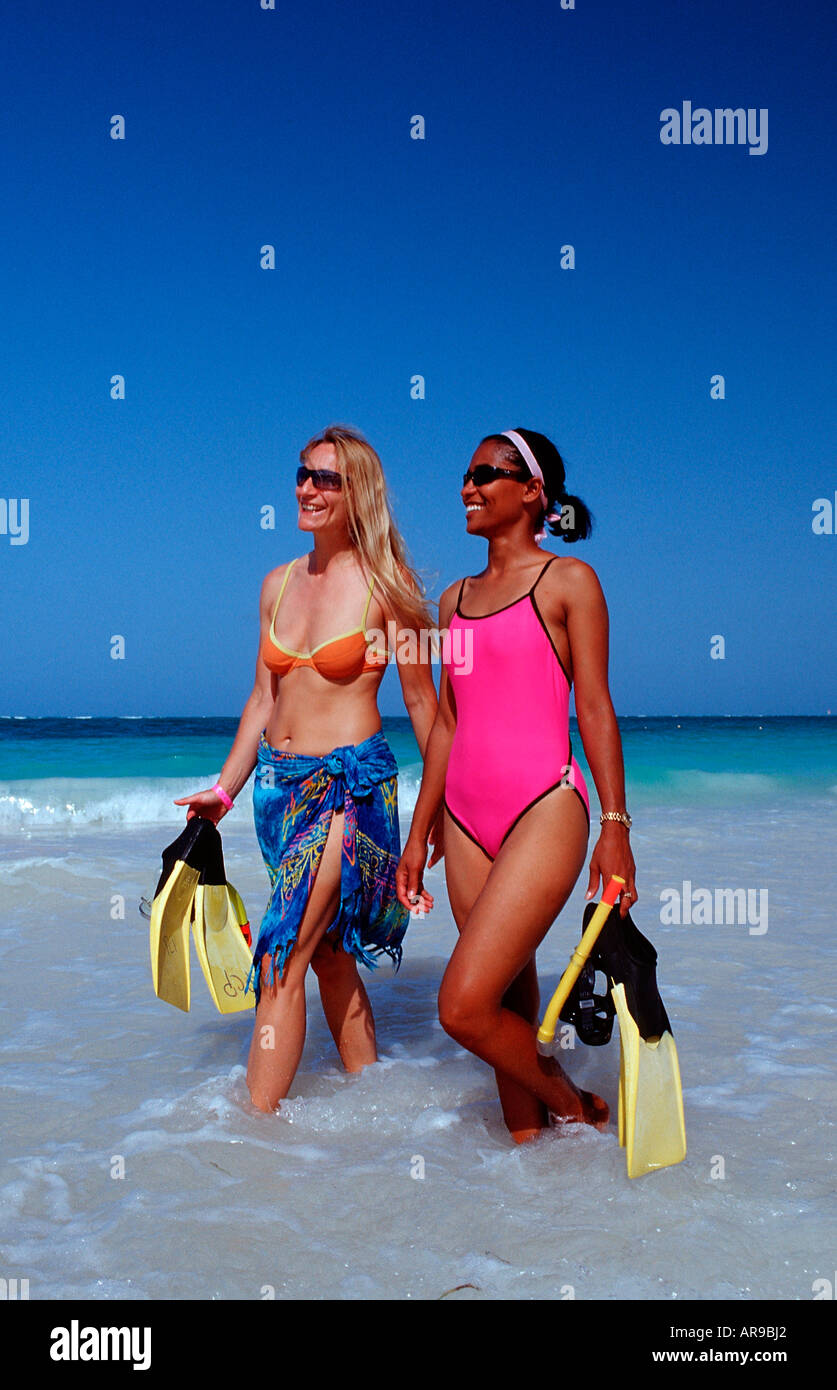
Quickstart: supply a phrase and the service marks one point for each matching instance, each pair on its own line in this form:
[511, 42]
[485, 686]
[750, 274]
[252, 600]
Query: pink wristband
[219, 790]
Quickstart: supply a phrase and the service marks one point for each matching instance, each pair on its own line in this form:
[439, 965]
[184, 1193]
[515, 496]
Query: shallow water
[320, 1201]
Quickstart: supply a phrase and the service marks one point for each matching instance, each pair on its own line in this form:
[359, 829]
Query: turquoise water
[219, 1201]
[139, 764]
[83, 748]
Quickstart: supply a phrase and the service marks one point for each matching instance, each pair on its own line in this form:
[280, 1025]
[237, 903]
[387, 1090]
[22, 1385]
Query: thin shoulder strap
[542, 573]
[281, 592]
[368, 601]
[459, 595]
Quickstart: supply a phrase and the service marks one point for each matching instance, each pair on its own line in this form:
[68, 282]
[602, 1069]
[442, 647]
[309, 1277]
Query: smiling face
[497, 503]
[320, 507]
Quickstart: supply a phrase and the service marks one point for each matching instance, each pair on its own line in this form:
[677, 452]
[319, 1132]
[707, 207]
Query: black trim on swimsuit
[583, 806]
[575, 788]
[530, 594]
[561, 783]
[466, 831]
[540, 618]
[478, 617]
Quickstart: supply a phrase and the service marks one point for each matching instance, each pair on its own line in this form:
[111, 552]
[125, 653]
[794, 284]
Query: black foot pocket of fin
[591, 1014]
[625, 957]
[628, 958]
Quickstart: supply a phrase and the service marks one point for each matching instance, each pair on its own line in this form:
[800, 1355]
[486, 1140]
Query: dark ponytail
[574, 519]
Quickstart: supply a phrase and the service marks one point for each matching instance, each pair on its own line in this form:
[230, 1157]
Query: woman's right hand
[436, 839]
[207, 804]
[408, 878]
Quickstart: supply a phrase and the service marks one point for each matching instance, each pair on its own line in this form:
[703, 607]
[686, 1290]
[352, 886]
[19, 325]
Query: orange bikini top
[342, 657]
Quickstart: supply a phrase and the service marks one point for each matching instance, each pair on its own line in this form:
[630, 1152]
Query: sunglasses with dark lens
[487, 473]
[322, 478]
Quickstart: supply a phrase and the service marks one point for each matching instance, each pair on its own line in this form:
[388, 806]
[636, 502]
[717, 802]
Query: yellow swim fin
[219, 930]
[652, 1128]
[596, 915]
[171, 911]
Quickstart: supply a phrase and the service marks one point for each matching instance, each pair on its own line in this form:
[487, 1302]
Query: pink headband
[528, 457]
[535, 469]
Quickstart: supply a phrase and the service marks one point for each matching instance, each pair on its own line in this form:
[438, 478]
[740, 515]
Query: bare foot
[525, 1136]
[592, 1111]
[596, 1111]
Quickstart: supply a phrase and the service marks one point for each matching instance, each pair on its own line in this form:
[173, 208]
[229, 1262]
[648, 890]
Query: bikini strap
[542, 573]
[368, 601]
[281, 592]
[459, 595]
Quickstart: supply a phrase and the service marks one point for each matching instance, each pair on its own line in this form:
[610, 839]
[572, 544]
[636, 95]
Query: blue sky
[395, 257]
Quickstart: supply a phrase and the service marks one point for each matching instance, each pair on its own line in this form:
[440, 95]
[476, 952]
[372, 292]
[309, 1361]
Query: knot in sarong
[357, 777]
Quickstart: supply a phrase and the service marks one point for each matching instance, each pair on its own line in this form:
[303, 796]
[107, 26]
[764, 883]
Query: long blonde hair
[372, 529]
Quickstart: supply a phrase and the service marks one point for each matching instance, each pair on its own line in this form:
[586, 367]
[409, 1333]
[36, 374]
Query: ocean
[135, 1167]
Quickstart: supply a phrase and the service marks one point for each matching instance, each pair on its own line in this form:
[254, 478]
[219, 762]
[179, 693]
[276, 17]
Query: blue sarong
[293, 799]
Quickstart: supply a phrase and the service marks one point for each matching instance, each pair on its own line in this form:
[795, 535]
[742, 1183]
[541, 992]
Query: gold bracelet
[622, 817]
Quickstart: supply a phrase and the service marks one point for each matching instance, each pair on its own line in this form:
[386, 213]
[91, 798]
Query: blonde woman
[325, 794]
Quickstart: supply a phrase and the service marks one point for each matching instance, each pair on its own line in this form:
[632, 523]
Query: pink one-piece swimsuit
[512, 740]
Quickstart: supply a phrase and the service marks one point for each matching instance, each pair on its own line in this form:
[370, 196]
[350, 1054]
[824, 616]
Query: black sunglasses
[322, 478]
[487, 473]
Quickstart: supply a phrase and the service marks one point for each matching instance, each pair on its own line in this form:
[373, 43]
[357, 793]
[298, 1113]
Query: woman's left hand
[612, 855]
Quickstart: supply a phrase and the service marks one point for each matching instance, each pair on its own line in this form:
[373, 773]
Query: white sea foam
[93, 802]
[320, 1200]
[101, 802]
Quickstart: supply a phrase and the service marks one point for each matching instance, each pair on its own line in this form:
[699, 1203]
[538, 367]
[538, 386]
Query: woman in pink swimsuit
[499, 755]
